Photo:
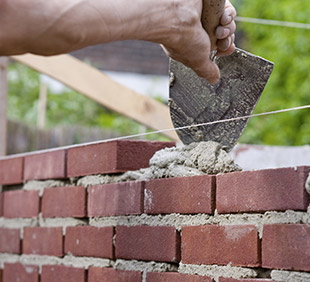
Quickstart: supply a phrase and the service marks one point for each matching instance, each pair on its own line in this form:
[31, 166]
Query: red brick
[64, 202]
[116, 199]
[175, 277]
[185, 195]
[52, 273]
[286, 246]
[222, 279]
[97, 274]
[212, 244]
[43, 241]
[48, 165]
[1, 204]
[112, 157]
[264, 190]
[11, 171]
[9, 241]
[157, 243]
[21, 203]
[14, 272]
[89, 241]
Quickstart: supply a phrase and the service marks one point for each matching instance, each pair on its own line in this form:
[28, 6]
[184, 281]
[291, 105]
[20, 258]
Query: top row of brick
[110, 157]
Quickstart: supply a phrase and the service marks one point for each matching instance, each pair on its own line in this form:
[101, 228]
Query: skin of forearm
[59, 26]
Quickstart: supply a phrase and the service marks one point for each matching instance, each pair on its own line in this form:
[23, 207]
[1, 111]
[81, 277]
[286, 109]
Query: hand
[191, 44]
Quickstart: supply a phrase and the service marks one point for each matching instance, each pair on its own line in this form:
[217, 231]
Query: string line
[161, 131]
[211, 123]
[273, 22]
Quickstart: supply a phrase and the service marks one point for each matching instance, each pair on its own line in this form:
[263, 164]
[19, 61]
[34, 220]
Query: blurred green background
[289, 86]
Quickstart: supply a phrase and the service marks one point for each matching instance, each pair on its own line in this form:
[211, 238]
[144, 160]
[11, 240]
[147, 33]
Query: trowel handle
[210, 18]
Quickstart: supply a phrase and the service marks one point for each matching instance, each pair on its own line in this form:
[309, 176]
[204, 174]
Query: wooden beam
[3, 104]
[94, 84]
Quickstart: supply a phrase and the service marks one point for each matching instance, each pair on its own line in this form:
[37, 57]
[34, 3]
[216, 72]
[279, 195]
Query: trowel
[195, 101]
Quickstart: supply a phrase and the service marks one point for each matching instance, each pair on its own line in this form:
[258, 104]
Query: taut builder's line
[160, 131]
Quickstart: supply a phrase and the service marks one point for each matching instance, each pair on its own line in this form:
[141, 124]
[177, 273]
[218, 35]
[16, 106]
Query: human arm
[60, 26]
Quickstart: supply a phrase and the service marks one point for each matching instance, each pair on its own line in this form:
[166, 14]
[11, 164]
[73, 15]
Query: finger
[210, 71]
[228, 16]
[222, 32]
[224, 44]
[228, 52]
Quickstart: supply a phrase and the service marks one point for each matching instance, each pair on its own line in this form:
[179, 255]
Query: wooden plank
[3, 104]
[99, 87]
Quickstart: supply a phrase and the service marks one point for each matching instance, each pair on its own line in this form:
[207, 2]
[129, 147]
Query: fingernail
[226, 19]
[225, 33]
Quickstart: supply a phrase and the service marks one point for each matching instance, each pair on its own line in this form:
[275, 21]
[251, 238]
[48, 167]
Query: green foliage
[289, 85]
[66, 108]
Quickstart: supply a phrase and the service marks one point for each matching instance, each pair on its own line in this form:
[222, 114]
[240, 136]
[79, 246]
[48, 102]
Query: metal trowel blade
[194, 101]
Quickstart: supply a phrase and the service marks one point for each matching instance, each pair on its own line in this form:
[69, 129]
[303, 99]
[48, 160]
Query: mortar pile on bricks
[71, 215]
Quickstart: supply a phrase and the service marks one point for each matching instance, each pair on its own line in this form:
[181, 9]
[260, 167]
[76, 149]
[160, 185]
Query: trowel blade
[193, 100]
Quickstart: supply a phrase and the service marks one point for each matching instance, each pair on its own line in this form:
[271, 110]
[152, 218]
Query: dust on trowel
[189, 160]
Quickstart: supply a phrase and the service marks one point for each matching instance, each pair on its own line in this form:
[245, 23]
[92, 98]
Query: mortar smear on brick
[14, 223]
[41, 185]
[38, 260]
[144, 267]
[8, 258]
[215, 271]
[290, 276]
[63, 222]
[151, 266]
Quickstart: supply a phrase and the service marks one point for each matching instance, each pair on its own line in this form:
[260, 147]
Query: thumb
[203, 65]
[209, 70]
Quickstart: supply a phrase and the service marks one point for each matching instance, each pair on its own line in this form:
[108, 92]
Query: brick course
[158, 243]
[186, 195]
[211, 244]
[9, 241]
[175, 277]
[115, 199]
[14, 272]
[97, 274]
[141, 221]
[265, 190]
[54, 273]
[11, 171]
[47, 165]
[90, 241]
[64, 202]
[112, 157]
[21, 203]
[286, 246]
[43, 241]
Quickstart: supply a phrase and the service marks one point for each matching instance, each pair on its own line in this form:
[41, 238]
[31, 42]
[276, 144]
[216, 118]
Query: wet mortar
[189, 160]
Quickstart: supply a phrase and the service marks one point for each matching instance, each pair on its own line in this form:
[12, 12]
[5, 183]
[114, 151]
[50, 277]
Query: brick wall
[251, 226]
